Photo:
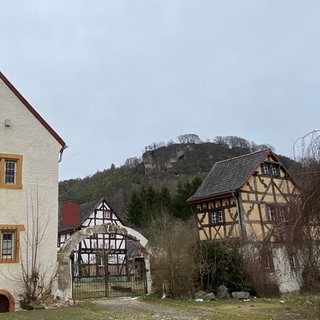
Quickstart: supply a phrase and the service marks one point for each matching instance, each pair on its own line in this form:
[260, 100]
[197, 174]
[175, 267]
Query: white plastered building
[30, 151]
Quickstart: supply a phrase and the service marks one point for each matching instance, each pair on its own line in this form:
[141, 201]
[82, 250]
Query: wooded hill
[165, 166]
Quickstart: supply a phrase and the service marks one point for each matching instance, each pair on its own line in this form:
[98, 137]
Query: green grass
[86, 311]
[291, 307]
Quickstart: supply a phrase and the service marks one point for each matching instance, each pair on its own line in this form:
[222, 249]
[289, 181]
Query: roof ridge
[92, 202]
[245, 155]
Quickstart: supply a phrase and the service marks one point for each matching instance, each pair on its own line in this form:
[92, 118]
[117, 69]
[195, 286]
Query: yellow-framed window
[10, 171]
[10, 243]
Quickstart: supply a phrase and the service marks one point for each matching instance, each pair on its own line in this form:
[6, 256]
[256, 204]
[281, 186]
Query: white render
[287, 279]
[22, 133]
[96, 219]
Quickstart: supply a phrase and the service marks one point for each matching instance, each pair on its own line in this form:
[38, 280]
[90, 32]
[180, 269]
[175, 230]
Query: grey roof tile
[229, 175]
[87, 208]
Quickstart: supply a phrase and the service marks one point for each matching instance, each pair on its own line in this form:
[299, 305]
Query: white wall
[287, 278]
[40, 150]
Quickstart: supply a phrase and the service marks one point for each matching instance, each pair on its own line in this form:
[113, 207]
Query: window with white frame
[217, 216]
[271, 169]
[265, 168]
[271, 216]
[276, 212]
[106, 214]
[274, 168]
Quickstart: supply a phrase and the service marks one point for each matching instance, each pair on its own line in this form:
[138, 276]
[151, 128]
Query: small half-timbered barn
[90, 254]
[246, 200]
[107, 257]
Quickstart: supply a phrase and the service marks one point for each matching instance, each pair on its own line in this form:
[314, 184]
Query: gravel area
[266, 309]
[135, 307]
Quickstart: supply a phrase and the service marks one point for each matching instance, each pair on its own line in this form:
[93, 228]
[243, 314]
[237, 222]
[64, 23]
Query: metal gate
[108, 272]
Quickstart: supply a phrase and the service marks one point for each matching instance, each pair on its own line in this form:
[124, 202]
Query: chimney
[71, 214]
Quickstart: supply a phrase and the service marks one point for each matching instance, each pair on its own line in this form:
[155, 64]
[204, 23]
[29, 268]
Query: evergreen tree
[149, 203]
[185, 190]
[134, 209]
[164, 201]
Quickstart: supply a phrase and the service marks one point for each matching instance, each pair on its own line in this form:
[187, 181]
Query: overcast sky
[112, 77]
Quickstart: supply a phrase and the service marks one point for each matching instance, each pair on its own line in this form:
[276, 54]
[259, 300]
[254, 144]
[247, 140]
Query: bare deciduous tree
[36, 278]
[189, 138]
[238, 142]
[174, 267]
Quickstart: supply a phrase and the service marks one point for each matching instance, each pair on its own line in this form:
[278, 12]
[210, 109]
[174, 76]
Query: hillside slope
[165, 166]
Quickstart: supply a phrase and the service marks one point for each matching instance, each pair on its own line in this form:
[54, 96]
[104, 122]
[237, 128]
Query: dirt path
[139, 309]
[133, 308]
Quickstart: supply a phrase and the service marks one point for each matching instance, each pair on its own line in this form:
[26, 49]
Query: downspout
[61, 152]
[235, 194]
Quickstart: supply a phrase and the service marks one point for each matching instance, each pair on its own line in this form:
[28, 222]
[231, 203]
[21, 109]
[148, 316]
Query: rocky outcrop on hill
[187, 158]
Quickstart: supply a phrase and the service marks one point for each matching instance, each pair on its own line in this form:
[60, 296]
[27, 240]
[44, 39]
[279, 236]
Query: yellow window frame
[15, 229]
[18, 175]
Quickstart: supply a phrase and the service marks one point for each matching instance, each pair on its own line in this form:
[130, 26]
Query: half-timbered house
[247, 200]
[100, 256]
[90, 253]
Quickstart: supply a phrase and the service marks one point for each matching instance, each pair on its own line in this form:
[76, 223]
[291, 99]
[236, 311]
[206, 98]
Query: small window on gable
[265, 168]
[217, 217]
[270, 169]
[10, 243]
[10, 171]
[106, 214]
[274, 170]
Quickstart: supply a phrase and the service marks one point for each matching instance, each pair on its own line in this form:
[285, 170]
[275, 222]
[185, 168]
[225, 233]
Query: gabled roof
[62, 228]
[86, 209]
[32, 110]
[229, 175]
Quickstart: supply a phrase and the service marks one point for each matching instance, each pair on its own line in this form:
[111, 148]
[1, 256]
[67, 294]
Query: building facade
[109, 260]
[247, 200]
[29, 159]
[90, 255]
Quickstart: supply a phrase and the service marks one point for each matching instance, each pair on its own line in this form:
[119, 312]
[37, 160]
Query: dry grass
[291, 307]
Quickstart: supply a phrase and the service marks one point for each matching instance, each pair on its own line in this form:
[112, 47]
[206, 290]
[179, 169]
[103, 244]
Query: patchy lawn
[291, 307]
